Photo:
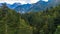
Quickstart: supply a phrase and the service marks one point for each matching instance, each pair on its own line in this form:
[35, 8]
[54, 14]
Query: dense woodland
[41, 22]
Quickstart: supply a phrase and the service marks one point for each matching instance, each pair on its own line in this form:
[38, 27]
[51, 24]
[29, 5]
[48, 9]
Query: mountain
[40, 5]
[23, 8]
[0, 4]
[13, 5]
[32, 7]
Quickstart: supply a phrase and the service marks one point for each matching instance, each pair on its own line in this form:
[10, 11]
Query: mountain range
[40, 5]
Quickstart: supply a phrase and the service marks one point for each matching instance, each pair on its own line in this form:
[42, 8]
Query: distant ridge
[40, 5]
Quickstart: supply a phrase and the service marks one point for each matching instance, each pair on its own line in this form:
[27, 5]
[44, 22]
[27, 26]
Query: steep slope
[32, 7]
[23, 8]
[13, 5]
[41, 5]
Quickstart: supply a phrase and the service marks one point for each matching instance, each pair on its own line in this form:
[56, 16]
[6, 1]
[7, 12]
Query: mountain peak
[40, 5]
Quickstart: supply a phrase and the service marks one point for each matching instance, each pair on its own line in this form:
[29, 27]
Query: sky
[21, 1]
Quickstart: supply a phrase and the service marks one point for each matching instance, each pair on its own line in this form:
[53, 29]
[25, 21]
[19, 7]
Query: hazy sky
[20, 1]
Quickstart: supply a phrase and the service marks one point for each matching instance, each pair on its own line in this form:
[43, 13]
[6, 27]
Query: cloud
[19, 1]
[33, 1]
[45, 0]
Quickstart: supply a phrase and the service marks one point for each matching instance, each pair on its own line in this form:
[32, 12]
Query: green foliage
[9, 21]
[43, 22]
[58, 30]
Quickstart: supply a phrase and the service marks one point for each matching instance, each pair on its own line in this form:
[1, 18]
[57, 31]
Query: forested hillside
[42, 22]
